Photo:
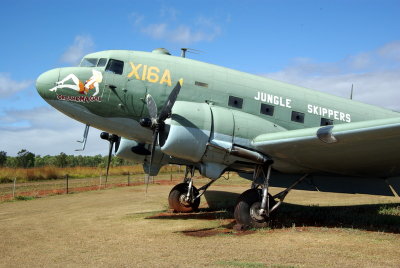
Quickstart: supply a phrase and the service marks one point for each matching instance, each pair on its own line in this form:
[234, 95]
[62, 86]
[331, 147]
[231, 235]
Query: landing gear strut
[184, 197]
[178, 200]
[255, 207]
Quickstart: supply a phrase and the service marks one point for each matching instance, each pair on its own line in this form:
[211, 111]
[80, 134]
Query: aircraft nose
[46, 81]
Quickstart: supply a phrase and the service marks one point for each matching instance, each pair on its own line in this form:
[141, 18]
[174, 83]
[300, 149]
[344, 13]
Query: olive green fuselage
[122, 95]
[217, 109]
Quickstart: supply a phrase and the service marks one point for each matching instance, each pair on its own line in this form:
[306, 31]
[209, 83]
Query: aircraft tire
[248, 202]
[175, 199]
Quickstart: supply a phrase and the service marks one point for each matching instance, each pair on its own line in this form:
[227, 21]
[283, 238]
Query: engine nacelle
[187, 132]
[140, 153]
[212, 137]
[125, 151]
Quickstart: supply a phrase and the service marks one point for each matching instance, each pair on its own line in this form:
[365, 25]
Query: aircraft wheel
[247, 209]
[177, 202]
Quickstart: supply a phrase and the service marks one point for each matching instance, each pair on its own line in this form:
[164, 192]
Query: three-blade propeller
[157, 121]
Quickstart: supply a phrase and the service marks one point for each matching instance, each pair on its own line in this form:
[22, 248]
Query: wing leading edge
[368, 148]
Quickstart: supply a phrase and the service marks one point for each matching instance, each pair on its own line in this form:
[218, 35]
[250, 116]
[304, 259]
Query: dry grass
[123, 227]
[50, 172]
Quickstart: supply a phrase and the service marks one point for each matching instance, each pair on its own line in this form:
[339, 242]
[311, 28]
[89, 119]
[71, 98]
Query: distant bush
[24, 198]
[5, 180]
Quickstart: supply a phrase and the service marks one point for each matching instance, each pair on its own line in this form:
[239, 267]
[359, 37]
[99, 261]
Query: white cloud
[9, 86]
[83, 44]
[199, 30]
[360, 61]
[390, 50]
[136, 19]
[375, 75]
[46, 131]
[182, 34]
[169, 12]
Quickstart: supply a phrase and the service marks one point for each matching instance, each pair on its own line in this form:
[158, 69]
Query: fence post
[100, 181]
[66, 177]
[15, 179]
[129, 178]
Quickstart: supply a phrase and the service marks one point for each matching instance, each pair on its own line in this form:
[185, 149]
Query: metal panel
[223, 124]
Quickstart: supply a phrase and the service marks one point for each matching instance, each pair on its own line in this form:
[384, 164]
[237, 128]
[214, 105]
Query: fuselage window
[88, 62]
[200, 84]
[297, 117]
[235, 102]
[115, 66]
[267, 109]
[326, 122]
[102, 62]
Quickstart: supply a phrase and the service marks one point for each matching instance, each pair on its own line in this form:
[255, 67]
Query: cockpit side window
[115, 66]
[89, 62]
[102, 62]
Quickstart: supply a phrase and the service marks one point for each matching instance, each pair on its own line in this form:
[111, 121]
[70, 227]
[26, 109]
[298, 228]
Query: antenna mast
[191, 50]
[351, 93]
[183, 53]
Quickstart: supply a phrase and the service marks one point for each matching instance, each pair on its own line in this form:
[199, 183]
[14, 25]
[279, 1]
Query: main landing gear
[256, 206]
[184, 197]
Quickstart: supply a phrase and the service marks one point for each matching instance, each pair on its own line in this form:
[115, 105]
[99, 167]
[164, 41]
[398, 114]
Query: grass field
[125, 227]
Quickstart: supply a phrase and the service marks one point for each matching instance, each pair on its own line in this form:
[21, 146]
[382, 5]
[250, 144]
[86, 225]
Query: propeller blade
[166, 110]
[151, 107]
[153, 147]
[158, 122]
[109, 160]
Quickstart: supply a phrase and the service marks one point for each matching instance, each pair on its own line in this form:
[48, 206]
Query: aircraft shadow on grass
[374, 217]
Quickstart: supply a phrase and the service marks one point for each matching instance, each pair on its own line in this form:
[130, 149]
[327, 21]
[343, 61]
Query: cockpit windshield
[93, 62]
[89, 62]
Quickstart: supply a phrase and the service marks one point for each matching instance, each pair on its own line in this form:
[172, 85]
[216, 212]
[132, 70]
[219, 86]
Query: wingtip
[181, 81]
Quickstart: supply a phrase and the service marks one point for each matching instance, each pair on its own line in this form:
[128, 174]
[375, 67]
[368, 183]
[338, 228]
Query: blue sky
[324, 45]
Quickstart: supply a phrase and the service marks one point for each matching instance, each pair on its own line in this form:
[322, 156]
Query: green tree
[72, 161]
[11, 162]
[61, 160]
[3, 158]
[39, 161]
[25, 159]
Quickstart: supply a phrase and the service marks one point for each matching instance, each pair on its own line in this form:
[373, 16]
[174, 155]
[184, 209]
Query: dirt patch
[41, 193]
[225, 219]
[216, 231]
[202, 215]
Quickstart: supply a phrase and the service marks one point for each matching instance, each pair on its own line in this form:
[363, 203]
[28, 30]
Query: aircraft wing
[368, 148]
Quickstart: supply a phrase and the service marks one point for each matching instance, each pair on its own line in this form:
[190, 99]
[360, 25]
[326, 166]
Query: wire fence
[67, 185]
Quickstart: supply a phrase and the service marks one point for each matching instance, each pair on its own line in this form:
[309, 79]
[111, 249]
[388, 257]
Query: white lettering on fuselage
[328, 113]
[273, 99]
[311, 108]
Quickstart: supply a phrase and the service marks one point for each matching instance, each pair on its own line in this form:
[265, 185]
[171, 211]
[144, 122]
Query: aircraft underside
[212, 154]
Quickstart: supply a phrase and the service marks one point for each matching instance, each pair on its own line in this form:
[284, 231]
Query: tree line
[26, 159]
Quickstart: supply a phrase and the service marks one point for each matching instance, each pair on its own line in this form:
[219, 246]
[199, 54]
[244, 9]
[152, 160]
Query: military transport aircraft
[161, 109]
